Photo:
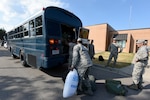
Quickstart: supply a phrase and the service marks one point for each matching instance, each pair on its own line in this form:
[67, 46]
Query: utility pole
[130, 15]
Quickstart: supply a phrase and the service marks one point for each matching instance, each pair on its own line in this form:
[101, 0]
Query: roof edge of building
[97, 24]
[133, 29]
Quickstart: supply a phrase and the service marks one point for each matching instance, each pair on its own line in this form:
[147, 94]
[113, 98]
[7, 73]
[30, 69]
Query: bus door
[54, 38]
[68, 35]
[84, 34]
[59, 35]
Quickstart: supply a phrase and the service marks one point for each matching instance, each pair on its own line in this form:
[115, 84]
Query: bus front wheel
[14, 56]
[23, 60]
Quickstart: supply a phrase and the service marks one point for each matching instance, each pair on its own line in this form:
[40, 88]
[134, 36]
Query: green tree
[2, 33]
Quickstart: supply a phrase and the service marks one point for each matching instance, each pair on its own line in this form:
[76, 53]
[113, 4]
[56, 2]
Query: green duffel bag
[92, 80]
[115, 87]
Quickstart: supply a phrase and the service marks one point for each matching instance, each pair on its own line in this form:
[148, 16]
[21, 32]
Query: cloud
[13, 12]
[7, 27]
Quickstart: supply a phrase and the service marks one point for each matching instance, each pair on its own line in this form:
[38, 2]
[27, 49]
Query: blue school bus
[40, 41]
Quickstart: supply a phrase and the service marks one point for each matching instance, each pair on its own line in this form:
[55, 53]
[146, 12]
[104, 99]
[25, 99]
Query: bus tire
[14, 56]
[41, 68]
[23, 60]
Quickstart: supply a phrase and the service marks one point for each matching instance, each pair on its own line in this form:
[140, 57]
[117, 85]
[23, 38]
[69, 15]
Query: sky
[120, 14]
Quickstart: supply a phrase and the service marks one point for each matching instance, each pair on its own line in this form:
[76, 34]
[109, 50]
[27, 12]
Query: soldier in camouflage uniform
[91, 49]
[82, 62]
[113, 48]
[71, 45]
[148, 49]
[140, 62]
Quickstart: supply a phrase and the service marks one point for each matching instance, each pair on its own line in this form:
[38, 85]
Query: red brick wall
[102, 35]
[98, 34]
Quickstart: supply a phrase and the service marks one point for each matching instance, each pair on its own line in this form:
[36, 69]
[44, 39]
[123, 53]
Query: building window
[121, 39]
[122, 43]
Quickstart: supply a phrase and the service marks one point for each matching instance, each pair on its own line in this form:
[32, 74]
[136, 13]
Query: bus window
[21, 28]
[21, 35]
[18, 29]
[38, 21]
[26, 33]
[38, 24]
[31, 25]
[15, 30]
[39, 31]
[26, 29]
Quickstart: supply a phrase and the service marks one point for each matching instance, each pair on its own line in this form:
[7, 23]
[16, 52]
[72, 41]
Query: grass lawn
[124, 59]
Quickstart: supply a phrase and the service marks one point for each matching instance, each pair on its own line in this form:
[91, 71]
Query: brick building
[102, 35]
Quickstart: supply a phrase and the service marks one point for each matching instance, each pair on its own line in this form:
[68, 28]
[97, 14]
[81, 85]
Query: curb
[114, 70]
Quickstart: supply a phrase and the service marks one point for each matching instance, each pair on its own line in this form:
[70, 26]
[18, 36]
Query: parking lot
[26, 83]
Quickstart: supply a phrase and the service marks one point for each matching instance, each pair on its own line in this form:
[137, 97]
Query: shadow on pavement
[105, 73]
[4, 53]
[57, 71]
[147, 86]
[19, 88]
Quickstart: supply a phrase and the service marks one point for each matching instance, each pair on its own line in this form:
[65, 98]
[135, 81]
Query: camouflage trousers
[83, 76]
[115, 56]
[138, 71]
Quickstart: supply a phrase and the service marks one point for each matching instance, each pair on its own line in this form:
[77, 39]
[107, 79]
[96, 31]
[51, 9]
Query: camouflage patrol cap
[145, 42]
[114, 38]
[79, 39]
[140, 41]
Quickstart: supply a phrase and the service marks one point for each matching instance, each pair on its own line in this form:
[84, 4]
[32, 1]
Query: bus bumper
[53, 62]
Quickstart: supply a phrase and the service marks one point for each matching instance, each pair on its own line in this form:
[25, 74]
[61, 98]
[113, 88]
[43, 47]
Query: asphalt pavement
[127, 71]
[43, 92]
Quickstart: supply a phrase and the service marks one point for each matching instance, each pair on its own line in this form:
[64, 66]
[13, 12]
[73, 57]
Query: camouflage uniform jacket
[142, 55]
[81, 56]
[113, 48]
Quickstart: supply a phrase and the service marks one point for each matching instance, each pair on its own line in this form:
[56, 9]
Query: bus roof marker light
[43, 8]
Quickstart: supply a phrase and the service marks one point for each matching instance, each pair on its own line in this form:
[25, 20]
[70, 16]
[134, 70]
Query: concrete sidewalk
[127, 71]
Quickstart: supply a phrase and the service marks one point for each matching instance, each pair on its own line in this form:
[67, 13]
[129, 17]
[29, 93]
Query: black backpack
[100, 58]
